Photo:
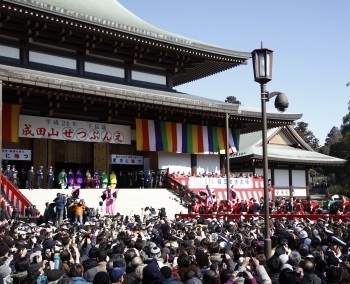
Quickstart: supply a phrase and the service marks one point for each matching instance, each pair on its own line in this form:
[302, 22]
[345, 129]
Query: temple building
[88, 85]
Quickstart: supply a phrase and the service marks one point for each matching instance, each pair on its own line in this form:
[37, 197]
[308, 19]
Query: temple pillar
[101, 157]
[222, 164]
[194, 165]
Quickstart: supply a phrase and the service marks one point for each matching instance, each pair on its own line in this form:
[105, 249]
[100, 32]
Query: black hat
[152, 272]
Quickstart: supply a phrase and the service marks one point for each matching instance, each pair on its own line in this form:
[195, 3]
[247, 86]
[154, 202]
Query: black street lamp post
[262, 65]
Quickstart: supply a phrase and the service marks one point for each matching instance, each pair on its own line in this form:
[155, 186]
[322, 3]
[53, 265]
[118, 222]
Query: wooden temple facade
[85, 69]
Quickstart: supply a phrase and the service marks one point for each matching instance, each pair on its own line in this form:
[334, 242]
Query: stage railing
[14, 196]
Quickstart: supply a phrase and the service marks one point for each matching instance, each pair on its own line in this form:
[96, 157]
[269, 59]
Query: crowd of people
[151, 248]
[34, 178]
[207, 203]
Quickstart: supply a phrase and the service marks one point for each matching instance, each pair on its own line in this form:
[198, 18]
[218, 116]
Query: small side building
[289, 160]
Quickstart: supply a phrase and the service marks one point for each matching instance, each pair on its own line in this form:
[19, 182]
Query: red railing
[178, 187]
[14, 196]
[313, 217]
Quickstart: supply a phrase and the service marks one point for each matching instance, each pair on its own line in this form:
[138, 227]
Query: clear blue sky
[310, 40]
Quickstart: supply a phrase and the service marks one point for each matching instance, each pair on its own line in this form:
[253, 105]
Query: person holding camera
[79, 207]
[60, 202]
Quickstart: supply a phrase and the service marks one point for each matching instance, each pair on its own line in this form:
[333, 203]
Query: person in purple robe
[78, 178]
[71, 179]
[96, 179]
[110, 197]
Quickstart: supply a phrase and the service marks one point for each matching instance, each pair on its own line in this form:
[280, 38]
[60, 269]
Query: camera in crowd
[242, 274]
[137, 218]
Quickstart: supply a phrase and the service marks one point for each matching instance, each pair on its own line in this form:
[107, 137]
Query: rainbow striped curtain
[156, 135]
[10, 119]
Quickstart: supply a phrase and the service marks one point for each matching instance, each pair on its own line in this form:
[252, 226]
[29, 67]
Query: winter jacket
[79, 209]
[311, 278]
[60, 203]
[80, 280]
[4, 215]
[261, 272]
[90, 274]
[275, 278]
[172, 280]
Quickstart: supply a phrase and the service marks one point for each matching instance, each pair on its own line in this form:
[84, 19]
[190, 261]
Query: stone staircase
[129, 201]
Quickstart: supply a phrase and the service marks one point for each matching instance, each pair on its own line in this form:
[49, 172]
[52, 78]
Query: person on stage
[104, 180]
[50, 178]
[96, 179]
[71, 179]
[113, 179]
[30, 176]
[110, 196]
[78, 178]
[88, 179]
[62, 179]
[39, 176]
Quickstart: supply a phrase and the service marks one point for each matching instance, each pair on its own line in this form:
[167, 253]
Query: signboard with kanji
[16, 154]
[73, 130]
[126, 160]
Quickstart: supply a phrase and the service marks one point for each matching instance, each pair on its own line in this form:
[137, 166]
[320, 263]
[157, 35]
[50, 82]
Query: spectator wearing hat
[50, 178]
[156, 253]
[39, 176]
[151, 273]
[116, 275]
[337, 247]
[76, 272]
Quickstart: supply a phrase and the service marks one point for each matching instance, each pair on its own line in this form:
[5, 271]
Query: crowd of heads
[139, 249]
